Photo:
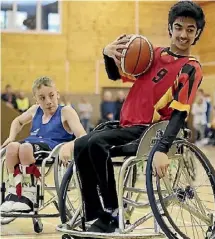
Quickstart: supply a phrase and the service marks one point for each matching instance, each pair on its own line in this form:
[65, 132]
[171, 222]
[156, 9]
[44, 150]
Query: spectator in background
[211, 133]
[200, 93]
[199, 109]
[9, 97]
[107, 107]
[208, 113]
[119, 102]
[208, 102]
[22, 102]
[85, 110]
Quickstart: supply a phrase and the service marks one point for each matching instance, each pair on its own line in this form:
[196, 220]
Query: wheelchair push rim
[186, 195]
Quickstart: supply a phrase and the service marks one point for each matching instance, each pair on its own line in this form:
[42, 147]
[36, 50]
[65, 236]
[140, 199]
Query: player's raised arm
[112, 56]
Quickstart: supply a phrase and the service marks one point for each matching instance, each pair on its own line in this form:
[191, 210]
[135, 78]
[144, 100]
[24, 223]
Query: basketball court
[23, 228]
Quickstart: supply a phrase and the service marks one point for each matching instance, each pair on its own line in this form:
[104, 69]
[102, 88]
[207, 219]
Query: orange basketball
[138, 57]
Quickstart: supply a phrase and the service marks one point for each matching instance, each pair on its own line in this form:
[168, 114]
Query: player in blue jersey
[52, 124]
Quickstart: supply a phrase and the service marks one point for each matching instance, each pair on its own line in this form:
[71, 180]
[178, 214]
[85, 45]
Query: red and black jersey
[170, 83]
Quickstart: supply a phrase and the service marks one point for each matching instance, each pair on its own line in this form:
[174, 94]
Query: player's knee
[13, 149]
[25, 148]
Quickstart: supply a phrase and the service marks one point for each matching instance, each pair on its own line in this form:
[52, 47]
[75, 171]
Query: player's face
[47, 97]
[184, 32]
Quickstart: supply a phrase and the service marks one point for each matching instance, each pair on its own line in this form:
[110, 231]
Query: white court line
[30, 237]
[50, 223]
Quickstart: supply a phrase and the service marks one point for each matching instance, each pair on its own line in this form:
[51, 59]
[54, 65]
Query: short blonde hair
[44, 80]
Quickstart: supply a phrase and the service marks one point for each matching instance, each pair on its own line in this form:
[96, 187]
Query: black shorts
[39, 147]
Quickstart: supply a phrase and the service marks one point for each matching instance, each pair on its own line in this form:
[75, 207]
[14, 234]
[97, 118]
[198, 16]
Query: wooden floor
[23, 228]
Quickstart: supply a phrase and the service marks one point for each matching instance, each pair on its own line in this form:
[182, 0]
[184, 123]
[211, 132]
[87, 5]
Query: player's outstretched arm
[18, 123]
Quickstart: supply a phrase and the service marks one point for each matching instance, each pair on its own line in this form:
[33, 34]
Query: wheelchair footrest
[27, 215]
[115, 235]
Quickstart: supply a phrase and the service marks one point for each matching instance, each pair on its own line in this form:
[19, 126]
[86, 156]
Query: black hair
[187, 9]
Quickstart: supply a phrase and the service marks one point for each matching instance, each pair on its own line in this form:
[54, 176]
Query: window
[6, 15]
[25, 15]
[30, 15]
[50, 16]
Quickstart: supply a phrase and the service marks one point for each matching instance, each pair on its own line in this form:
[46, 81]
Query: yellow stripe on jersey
[164, 53]
[192, 58]
[176, 80]
[179, 106]
[126, 75]
[164, 100]
[156, 117]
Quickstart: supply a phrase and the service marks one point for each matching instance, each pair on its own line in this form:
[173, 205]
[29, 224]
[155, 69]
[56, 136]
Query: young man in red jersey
[165, 92]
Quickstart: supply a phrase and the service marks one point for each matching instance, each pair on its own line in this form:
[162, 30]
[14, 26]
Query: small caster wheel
[66, 236]
[38, 226]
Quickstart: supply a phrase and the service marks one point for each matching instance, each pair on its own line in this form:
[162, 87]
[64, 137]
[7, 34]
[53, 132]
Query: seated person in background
[107, 107]
[9, 97]
[199, 109]
[22, 102]
[85, 111]
[212, 129]
[119, 102]
[51, 125]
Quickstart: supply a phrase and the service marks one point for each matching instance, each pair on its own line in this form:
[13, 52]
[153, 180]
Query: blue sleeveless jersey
[51, 133]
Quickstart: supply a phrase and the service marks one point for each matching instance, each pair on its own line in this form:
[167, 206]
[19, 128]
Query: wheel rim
[191, 201]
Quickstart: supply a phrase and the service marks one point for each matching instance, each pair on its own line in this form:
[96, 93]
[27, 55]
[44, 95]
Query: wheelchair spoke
[194, 219]
[183, 222]
[195, 194]
[193, 223]
[178, 174]
[193, 227]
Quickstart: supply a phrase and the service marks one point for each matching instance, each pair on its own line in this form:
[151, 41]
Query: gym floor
[23, 228]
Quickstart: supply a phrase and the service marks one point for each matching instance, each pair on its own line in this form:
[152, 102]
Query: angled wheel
[183, 205]
[69, 200]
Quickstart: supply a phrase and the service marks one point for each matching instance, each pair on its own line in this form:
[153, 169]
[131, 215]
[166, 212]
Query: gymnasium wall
[70, 57]
[206, 49]
[73, 58]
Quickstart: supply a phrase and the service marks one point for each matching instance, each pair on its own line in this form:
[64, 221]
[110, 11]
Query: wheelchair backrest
[151, 136]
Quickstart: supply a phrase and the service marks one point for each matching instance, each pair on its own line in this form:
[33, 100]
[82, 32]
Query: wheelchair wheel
[183, 205]
[68, 196]
[59, 171]
[66, 236]
[38, 226]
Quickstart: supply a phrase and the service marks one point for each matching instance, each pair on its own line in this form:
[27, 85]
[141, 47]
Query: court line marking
[29, 237]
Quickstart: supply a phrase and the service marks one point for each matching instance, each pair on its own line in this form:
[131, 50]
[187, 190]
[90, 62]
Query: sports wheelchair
[181, 205]
[46, 194]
